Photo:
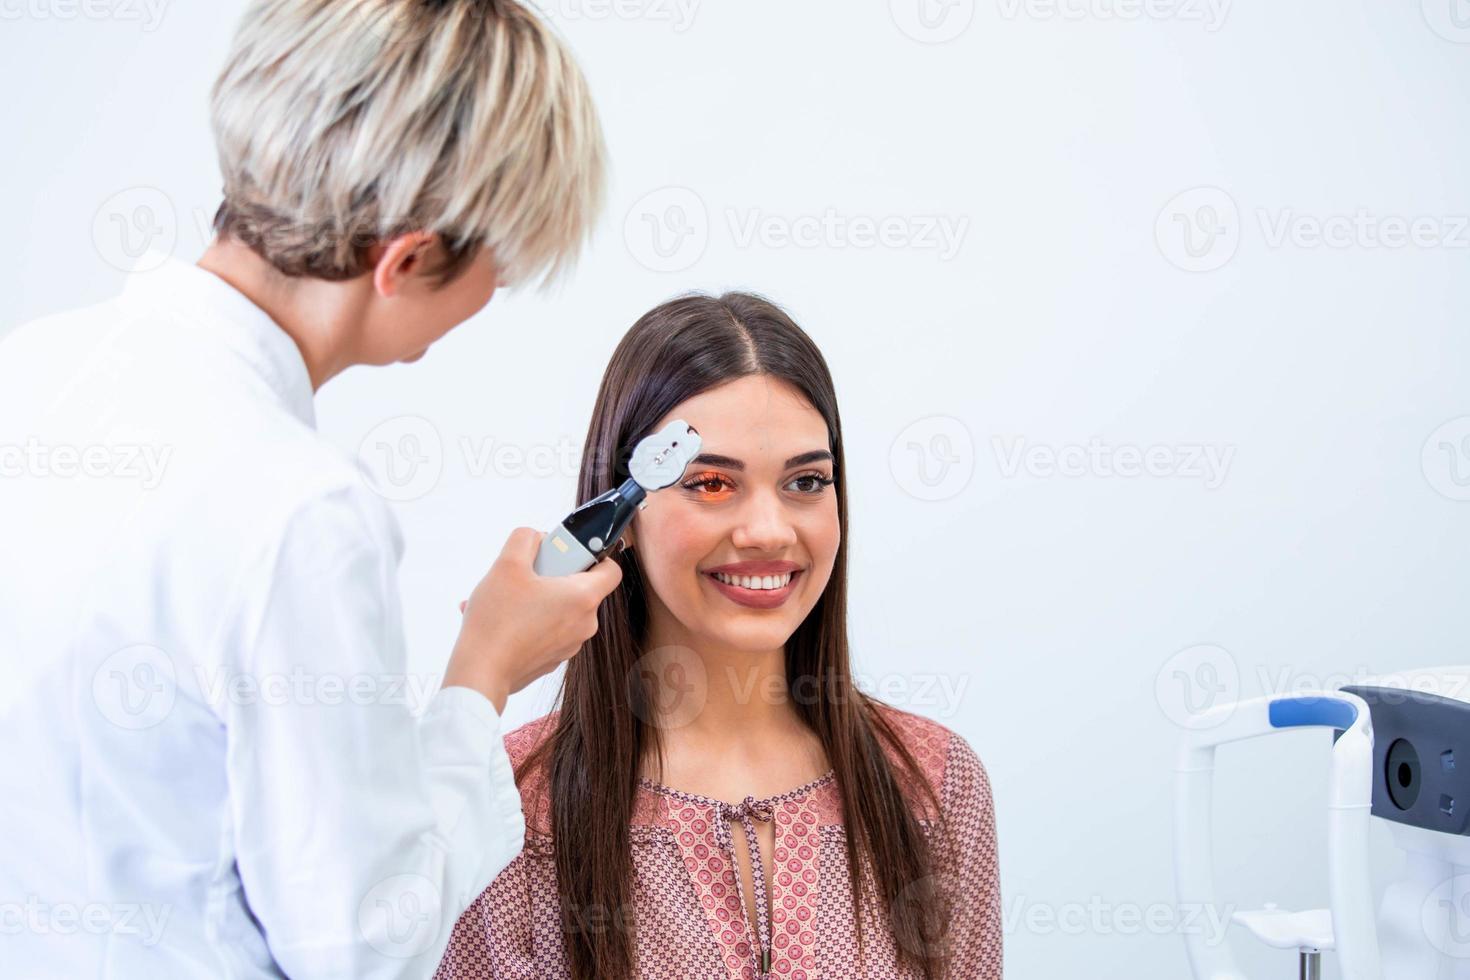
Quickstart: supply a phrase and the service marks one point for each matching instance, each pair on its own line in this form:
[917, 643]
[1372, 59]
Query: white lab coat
[208, 764]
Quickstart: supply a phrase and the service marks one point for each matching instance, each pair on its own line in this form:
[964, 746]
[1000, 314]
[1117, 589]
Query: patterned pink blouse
[688, 901]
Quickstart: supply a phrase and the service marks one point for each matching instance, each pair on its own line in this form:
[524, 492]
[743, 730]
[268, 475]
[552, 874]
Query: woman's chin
[736, 633]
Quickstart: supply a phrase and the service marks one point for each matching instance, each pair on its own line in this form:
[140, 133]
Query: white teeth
[757, 582]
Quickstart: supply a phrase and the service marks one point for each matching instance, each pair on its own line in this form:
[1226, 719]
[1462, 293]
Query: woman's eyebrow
[731, 463]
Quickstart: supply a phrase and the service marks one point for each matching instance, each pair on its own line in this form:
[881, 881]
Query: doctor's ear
[401, 259]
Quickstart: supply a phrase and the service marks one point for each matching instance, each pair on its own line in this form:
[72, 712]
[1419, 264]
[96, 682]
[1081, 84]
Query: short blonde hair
[342, 123]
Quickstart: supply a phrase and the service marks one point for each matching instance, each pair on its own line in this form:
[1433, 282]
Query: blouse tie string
[747, 812]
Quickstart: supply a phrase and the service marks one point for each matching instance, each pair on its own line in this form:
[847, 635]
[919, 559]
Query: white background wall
[1055, 140]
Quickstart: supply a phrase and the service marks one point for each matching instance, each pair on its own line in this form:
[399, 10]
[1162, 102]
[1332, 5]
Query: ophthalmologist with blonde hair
[387, 165]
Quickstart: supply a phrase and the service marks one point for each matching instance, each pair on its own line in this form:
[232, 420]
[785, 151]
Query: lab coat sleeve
[975, 932]
[360, 832]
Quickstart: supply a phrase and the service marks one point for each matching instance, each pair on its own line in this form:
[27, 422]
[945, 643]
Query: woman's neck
[727, 711]
[707, 690]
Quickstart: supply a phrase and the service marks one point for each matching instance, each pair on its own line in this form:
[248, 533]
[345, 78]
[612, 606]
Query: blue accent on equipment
[1302, 712]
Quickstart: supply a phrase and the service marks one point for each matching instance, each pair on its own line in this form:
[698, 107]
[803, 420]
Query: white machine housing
[1401, 754]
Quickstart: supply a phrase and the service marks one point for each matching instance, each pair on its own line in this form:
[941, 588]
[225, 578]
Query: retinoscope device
[591, 531]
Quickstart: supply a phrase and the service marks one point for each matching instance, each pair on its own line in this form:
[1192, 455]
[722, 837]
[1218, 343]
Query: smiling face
[739, 551]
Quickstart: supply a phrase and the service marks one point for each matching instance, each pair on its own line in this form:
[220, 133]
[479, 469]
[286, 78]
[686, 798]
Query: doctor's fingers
[601, 579]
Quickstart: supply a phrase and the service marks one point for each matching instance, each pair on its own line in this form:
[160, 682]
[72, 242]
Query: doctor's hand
[519, 625]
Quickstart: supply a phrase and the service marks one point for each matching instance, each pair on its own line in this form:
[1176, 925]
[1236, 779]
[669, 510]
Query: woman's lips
[755, 598]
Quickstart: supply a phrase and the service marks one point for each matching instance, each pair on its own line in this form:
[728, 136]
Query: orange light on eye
[702, 480]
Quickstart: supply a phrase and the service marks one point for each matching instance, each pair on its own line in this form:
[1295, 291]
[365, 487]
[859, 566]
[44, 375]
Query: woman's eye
[715, 484]
[708, 485]
[811, 483]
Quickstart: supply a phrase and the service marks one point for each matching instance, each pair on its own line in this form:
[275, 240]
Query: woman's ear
[402, 258]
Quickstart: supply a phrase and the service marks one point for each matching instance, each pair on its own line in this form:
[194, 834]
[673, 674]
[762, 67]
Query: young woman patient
[703, 802]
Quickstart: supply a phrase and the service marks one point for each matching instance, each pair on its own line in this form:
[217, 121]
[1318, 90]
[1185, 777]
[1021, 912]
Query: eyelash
[703, 479]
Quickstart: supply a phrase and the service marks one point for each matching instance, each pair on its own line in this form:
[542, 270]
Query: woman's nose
[764, 525]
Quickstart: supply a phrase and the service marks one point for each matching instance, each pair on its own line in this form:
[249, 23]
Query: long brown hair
[602, 735]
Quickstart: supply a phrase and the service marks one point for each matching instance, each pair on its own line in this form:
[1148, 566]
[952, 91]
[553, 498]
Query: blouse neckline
[790, 794]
